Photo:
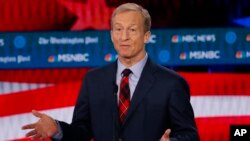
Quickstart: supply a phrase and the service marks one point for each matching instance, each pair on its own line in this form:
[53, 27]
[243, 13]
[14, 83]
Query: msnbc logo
[67, 58]
[183, 56]
[242, 54]
[176, 39]
[200, 55]
[51, 59]
[110, 57]
[248, 38]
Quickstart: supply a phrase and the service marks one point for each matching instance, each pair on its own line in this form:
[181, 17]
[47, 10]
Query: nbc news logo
[242, 54]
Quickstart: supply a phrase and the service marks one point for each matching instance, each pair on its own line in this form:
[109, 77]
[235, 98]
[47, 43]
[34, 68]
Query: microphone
[115, 90]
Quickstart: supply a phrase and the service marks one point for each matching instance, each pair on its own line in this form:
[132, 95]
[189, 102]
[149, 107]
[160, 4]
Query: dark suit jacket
[160, 101]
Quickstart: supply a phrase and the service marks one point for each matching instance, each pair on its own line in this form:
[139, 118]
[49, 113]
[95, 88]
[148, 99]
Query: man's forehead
[127, 24]
[132, 18]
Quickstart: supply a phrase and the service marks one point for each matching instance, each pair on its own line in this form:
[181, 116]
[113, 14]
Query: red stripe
[211, 129]
[60, 95]
[218, 128]
[200, 84]
[43, 75]
[30, 139]
[218, 83]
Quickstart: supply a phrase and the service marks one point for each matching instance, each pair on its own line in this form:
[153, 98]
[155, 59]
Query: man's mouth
[125, 45]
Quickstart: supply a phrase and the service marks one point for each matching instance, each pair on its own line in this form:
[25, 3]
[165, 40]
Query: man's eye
[118, 29]
[132, 29]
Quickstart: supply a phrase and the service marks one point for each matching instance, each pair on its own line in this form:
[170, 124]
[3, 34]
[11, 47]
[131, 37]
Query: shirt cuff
[58, 136]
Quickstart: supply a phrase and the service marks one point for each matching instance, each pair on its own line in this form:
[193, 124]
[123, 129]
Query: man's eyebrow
[117, 24]
[132, 25]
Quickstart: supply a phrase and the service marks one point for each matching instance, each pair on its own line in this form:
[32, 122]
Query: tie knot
[126, 72]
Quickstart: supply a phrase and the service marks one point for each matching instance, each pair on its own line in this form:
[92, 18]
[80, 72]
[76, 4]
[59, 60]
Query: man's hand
[45, 127]
[165, 136]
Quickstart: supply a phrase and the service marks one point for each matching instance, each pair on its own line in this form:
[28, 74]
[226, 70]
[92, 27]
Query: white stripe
[204, 106]
[10, 126]
[218, 106]
[12, 87]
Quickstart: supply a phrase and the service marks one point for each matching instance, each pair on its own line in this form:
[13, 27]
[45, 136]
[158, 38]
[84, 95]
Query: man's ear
[147, 36]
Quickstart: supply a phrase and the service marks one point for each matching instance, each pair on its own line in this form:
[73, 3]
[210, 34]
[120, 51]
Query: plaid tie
[124, 96]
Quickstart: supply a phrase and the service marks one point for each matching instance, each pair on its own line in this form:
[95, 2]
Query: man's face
[128, 35]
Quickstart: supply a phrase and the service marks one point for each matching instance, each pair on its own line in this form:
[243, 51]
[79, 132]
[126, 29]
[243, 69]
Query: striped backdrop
[218, 99]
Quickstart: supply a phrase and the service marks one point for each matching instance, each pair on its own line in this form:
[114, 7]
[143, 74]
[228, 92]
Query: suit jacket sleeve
[80, 128]
[182, 122]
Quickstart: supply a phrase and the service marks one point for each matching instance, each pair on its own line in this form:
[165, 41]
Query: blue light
[243, 21]
[19, 42]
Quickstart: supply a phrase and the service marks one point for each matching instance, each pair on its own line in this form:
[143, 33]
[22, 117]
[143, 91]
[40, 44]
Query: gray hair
[133, 7]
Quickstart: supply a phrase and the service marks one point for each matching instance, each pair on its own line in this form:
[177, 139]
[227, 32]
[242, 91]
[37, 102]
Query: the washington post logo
[240, 133]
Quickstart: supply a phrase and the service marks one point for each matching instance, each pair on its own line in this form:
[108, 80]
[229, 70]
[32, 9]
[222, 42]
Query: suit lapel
[109, 83]
[110, 79]
[109, 97]
[145, 82]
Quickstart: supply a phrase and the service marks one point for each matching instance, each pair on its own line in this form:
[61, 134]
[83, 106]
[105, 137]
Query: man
[132, 99]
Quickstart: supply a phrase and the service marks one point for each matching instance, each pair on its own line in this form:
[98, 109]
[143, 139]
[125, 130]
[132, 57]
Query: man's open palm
[45, 127]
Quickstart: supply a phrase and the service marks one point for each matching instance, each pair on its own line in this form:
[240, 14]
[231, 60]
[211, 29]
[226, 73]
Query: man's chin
[125, 56]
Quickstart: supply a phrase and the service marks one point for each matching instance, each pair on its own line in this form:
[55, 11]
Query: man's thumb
[167, 133]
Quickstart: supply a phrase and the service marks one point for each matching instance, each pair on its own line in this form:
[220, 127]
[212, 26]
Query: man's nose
[125, 35]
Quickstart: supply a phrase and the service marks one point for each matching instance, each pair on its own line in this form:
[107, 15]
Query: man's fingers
[43, 128]
[33, 125]
[42, 138]
[36, 136]
[29, 126]
[37, 114]
[31, 133]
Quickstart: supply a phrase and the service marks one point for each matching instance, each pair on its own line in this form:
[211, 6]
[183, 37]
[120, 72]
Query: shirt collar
[136, 68]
